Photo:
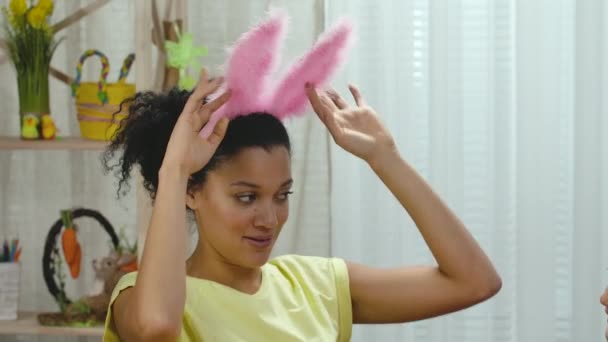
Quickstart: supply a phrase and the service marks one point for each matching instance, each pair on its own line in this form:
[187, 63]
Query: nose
[266, 216]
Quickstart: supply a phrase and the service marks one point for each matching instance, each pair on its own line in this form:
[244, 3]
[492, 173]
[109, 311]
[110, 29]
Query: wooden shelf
[27, 324]
[63, 143]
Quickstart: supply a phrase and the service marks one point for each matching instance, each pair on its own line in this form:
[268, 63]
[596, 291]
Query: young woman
[226, 159]
[236, 183]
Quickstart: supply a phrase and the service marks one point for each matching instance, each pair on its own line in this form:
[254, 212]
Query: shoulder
[308, 265]
[128, 278]
[126, 281]
[294, 260]
[118, 305]
[312, 271]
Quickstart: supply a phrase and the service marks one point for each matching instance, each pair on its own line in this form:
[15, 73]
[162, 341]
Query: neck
[206, 263]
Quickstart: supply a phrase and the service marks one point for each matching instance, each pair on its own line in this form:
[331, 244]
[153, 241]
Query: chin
[254, 255]
[258, 259]
[251, 259]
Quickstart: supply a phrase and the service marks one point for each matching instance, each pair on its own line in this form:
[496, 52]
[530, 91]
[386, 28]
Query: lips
[259, 241]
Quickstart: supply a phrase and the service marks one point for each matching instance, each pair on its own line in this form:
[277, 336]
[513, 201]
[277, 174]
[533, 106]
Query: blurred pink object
[254, 58]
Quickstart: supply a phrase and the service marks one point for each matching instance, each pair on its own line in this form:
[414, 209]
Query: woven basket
[98, 104]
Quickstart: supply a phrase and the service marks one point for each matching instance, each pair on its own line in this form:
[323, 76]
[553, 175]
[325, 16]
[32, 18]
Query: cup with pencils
[9, 279]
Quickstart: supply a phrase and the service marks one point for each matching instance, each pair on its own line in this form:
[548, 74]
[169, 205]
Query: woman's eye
[284, 196]
[248, 198]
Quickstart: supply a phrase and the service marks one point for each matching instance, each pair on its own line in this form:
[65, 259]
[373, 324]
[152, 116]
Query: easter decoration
[100, 104]
[47, 127]
[29, 45]
[177, 53]
[63, 245]
[183, 56]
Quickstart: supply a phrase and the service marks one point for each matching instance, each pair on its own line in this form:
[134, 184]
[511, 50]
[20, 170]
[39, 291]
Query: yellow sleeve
[127, 281]
[345, 313]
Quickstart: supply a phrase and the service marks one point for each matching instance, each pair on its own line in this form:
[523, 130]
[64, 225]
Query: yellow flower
[46, 6]
[18, 7]
[36, 17]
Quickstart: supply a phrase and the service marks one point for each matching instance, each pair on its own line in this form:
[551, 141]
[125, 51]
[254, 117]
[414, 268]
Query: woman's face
[604, 301]
[243, 205]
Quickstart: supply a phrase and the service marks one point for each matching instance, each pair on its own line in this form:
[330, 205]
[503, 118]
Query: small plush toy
[108, 271]
[29, 129]
[48, 127]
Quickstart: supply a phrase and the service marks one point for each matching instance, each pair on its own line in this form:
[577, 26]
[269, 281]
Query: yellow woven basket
[98, 104]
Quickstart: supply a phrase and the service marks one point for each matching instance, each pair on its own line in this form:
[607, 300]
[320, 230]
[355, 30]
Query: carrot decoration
[69, 242]
[129, 267]
[75, 266]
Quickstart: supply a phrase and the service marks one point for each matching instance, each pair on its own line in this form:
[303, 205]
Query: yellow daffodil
[36, 17]
[30, 44]
[46, 5]
[18, 7]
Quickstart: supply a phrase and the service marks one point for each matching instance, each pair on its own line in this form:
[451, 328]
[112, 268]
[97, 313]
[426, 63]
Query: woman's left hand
[357, 129]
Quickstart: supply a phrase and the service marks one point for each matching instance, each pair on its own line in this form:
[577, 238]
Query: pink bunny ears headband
[253, 60]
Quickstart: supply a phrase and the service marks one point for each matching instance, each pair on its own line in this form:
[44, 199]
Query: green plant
[31, 43]
[124, 246]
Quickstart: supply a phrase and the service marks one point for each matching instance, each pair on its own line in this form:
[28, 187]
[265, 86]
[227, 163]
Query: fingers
[217, 103]
[197, 96]
[219, 131]
[357, 95]
[202, 90]
[337, 99]
[327, 101]
[206, 110]
[322, 105]
[315, 100]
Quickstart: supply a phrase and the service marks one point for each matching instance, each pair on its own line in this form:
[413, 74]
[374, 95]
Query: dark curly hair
[143, 136]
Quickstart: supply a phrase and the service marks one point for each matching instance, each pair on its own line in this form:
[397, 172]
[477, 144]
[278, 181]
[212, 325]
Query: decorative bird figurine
[48, 127]
[29, 129]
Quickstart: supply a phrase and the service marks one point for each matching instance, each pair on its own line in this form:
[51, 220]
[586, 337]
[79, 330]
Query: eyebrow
[255, 186]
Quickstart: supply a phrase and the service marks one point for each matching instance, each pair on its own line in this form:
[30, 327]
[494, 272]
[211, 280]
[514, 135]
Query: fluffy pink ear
[251, 61]
[316, 67]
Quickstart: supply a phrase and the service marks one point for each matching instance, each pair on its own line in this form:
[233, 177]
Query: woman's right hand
[187, 152]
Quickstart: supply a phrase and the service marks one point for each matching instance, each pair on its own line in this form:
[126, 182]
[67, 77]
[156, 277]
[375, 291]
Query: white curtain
[499, 105]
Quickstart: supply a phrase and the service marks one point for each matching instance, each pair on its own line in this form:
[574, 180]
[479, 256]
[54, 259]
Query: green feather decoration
[183, 55]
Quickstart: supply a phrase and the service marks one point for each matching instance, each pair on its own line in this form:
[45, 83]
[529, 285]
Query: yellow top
[300, 299]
